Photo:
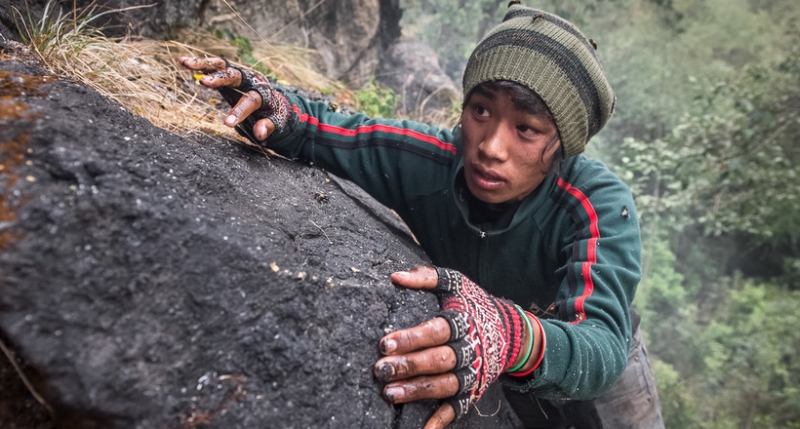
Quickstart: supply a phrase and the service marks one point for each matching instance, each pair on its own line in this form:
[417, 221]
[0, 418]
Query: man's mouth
[486, 178]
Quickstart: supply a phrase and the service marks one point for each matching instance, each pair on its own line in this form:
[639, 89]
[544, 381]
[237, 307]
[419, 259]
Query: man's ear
[553, 146]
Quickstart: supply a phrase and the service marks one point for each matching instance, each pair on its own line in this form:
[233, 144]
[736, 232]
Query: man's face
[507, 151]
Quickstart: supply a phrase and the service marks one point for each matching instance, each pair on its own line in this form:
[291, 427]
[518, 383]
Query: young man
[537, 247]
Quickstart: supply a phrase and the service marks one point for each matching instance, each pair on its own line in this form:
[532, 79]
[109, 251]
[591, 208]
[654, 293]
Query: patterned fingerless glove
[274, 105]
[486, 334]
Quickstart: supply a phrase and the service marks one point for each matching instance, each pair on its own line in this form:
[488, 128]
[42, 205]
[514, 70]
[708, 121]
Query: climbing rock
[149, 280]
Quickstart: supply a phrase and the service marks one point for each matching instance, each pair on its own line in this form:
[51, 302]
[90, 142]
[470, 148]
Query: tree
[753, 367]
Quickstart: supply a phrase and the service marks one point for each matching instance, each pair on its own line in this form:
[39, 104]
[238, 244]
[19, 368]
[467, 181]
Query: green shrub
[375, 101]
[244, 49]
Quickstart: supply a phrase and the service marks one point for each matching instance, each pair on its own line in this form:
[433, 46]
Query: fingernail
[261, 131]
[388, 346]
[384, 372]
[394, 394]
[230, 120]
[402, 274]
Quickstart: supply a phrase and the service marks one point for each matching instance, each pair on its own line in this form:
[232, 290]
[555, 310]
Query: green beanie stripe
[538, 71]
[571, 29]
[568, 60]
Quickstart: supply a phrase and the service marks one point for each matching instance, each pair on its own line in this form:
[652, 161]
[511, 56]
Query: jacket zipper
[478, 256]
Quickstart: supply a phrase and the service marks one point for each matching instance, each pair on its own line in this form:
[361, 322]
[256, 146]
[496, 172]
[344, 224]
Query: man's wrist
[526, 342]
[536, 337]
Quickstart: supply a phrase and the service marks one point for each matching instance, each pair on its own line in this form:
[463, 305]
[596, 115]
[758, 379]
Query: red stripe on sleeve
[367, 129]
[591, 250]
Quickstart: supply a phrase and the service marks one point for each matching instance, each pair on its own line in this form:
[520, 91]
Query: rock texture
[411, 69]
[153, 281]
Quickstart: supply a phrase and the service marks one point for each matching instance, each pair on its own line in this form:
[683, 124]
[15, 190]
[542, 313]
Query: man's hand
[261, 108]
[456, 355]
[418, 363]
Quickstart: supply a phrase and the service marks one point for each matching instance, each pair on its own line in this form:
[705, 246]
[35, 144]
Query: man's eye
[481, 111]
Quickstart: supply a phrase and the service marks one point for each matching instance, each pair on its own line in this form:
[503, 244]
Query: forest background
[707, 134]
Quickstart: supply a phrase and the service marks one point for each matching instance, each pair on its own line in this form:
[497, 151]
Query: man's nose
[494, 144]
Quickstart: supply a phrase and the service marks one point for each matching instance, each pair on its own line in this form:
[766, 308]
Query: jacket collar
[530, 206]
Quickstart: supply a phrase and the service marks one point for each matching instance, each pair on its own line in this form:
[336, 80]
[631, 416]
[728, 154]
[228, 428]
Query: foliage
[668, 309]
[375, 101]
[753, 367]
[720, 182]
[678, 406]
[244, 50]
[656, 54]
[731, 169]
[729, 355]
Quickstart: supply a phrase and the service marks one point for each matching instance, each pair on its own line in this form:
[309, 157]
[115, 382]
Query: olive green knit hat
[556, 61]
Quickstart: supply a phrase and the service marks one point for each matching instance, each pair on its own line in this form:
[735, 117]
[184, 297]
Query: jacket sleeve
[392, 160]
[599, 246]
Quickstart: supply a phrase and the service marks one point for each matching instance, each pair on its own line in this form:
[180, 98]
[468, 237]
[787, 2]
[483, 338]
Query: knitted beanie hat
[555, 60]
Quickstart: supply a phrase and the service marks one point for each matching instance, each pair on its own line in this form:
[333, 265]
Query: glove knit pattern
[485, 334]
[274, 105]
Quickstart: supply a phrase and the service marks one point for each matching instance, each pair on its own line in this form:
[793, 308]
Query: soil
[150, 280]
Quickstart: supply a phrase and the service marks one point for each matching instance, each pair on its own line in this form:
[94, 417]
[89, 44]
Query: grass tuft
[145, 78]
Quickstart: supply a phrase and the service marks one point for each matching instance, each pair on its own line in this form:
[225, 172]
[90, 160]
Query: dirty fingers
[249, 103]
[256, 105]
[216, 69]
[418, 364]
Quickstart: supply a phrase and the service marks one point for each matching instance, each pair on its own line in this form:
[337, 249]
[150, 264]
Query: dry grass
[445, 118]
[144, 75]
[290, 64]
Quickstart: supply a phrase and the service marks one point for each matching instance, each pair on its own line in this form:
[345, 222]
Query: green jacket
[570, 252]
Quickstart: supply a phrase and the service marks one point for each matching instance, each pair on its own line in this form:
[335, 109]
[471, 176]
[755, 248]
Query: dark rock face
[9, 18]
[150, 281]
[411, 69]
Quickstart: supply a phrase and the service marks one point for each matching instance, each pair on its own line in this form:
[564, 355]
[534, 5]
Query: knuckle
[419, 390]
[429, 387]
[409, 337]
[442, 328]
[253, 97]
[429, 327]
[406, 368]
[448, 357]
